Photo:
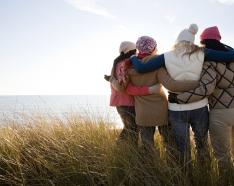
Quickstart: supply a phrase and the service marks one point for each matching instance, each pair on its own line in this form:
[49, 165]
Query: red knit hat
[211, 33]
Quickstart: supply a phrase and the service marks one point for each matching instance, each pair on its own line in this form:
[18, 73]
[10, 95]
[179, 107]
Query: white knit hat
[126, 46]
[188, 34]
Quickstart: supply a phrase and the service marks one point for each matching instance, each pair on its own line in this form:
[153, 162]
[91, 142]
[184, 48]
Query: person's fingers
[107, 77]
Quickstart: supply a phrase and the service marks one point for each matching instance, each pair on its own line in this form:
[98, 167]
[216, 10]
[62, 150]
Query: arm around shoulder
[207, 85]
[218, 56]
[173, 85]
[137, 90]
[116, 85]
[151, 65]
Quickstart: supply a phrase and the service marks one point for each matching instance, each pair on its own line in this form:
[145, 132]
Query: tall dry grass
[83, 151]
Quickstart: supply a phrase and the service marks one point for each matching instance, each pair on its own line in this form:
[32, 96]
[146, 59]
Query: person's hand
[155, 89]
[172, 97]
[107, 77]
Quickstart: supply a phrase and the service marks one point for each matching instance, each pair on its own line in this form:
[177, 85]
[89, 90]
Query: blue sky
[65, 46]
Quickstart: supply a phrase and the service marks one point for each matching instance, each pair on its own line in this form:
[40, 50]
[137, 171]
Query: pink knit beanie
[211, 33]
[146, 44]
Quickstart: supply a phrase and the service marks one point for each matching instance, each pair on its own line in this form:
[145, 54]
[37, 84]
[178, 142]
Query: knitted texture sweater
[217, 82]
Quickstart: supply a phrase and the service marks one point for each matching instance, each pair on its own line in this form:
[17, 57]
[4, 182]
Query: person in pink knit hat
[210, 33]
[221, 102]
[221, 99]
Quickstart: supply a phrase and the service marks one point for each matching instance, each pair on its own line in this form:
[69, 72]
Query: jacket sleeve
[173, 85]
[218, 56]
[206, 87]
[137, 90]
[153, 64]
[130, 88]
[116, 85]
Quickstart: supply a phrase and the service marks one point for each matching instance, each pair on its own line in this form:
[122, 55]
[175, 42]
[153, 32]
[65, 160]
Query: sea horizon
[95, 106]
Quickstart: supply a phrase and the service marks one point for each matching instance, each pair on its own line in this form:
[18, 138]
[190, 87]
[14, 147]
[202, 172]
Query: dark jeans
[147, 137]
[130, 130]
[181, 121]
[165, 132]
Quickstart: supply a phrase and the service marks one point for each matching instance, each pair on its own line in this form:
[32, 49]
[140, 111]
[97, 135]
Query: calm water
[60, 106]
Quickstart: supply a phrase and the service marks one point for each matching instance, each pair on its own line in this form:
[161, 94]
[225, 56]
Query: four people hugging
[200, 84]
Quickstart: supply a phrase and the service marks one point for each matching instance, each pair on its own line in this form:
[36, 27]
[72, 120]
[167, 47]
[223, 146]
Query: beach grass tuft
[83, 151]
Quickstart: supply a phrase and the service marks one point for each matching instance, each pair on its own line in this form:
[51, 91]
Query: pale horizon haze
[64, 47]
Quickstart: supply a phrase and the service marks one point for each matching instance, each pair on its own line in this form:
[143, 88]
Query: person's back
[121, 98]
[123, 102]
[182, 66]
[151, 110]
[185, 62]
[221, 102]
[222, 97]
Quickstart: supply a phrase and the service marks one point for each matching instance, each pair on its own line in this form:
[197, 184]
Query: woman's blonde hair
[187, 48]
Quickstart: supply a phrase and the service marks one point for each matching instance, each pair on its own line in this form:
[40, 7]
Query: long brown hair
[120, 58]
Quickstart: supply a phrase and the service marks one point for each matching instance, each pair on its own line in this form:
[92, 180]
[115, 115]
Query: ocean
[95, 106]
